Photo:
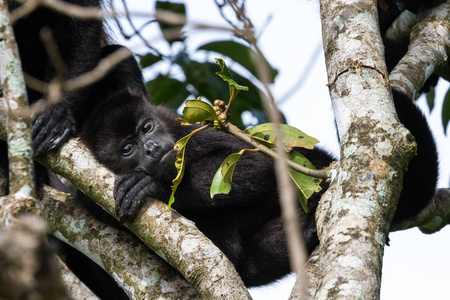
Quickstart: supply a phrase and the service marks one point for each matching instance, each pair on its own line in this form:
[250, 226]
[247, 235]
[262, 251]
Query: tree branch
[427, 53]
[139, 271]
[75, 288]
[353, 221]
[433, 217]
[20, 150]
[171, 236]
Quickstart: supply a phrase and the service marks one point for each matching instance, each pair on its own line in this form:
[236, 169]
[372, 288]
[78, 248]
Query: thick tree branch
[139, 271]
[353, 221]
[400, 29]
[171, 236]
[20, 151]
[75, 288]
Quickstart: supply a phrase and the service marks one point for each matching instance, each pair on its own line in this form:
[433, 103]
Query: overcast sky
[415, 265]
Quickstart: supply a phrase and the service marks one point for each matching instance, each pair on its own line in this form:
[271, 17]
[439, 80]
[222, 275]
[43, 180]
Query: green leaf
[446, 111]
[306, 185]
[241, 54]
[167, 91]
[180, 146]
[226, 76]
[430, 98]
[148, 60]
[201, 83]
[197, 111]
[221, 183]
[292, 137]
[171, 32]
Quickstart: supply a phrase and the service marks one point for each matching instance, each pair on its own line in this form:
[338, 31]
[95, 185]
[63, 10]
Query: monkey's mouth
[170, 157]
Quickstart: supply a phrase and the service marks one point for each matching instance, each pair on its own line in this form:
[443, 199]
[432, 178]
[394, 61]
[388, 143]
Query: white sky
[415, 265]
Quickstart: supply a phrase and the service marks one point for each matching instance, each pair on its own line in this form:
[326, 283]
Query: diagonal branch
[428, 52]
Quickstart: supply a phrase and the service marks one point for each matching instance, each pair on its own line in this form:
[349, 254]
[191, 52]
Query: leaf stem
[232, 129]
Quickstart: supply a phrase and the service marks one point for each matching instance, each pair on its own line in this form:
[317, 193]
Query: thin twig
[304, 76]
[52, 50]
[104, 66]
[65, 8]
[232, 129]
[287, 190]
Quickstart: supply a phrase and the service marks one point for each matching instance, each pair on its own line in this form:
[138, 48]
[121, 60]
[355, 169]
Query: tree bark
[427, 53]
[354, 215]
[138, 270]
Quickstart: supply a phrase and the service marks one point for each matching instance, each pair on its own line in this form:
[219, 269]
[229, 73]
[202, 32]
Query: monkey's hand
[52, 129]
[132, 189]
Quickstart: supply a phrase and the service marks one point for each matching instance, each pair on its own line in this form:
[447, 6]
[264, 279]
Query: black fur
[246, 224]
[79, 44]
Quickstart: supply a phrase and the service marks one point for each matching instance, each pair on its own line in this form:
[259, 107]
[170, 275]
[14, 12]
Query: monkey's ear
[138, 91]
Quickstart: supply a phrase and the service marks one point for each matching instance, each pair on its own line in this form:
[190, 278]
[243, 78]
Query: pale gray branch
[353, 217]
[139, 271]
[20, 150]
[75, 288]
[400, 29]
[428, 52]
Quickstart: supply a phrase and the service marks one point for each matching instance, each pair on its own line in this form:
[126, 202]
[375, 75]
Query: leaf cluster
[198, 111]
[195, 79]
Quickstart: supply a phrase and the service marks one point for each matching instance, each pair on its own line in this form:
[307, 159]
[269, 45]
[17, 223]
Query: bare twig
[104, 66]
[65, 8]
[53, 53]
[304, 76]
[287, 190]
[136, 32]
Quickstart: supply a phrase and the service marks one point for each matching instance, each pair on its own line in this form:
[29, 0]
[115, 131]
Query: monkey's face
[149, 149]
[126, 135]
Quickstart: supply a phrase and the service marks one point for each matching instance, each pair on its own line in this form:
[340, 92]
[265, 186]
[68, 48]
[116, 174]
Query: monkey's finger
[139, 200]
[125, 202]
[131, 195]
[124, 183]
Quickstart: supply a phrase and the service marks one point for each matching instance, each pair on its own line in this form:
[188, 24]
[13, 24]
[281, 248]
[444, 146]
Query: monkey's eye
[127, 149]
[147, 126]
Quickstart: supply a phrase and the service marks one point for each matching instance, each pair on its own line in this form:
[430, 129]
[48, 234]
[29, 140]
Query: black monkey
[79, 43]
[135, 140]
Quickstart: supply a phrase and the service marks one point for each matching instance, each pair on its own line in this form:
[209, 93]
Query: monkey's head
[126, 134]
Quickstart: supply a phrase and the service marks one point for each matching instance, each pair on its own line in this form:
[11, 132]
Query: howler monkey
[135, 140]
